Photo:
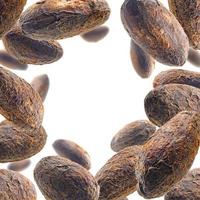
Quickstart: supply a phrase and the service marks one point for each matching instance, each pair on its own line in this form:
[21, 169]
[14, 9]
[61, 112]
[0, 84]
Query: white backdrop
[94, 92]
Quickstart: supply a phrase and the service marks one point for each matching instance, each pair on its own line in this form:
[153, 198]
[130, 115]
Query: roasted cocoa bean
[194, 57]
[30, 51]
[72, 151]
[167, 157]
[19, 165]
[164, 102]
[58, 19]
[135, 133]
[59, 178]
[151, 26]
[188, 188]
[142, 62]
[188, 14]
[178, 76]
[41, 85]
[117, 177]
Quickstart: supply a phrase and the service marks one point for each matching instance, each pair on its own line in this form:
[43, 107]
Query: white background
[94, 92]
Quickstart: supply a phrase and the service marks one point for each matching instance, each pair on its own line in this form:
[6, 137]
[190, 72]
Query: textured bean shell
[188, 14]
[9, 61]
[142, 62]
[155, 30]
[58, 19]
[134, 133]
[72, 151]
[178, 76]
[10, 11]
[30, 51]
[117, 177]
[168, 156]
[17, 143]
[164, 102]
[61, 179]
[19, 102]
[15, 186]
[41, 85]
[187, 189]
[194, 57]
[96, 35]
[19, 165]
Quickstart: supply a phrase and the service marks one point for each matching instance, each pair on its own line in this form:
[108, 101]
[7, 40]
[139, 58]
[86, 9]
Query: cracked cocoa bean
[188, 14]
[135, 133]
[30, 51]
[19, 102]
[178, 76]
[41, 85]
[10, 13]
[167, 157]
[164, 102]
[58, 19]
[59, 179]
[17, 143]
[194, 57]
[15, 186]
[188, 188]
[19, 165]
[152, 26]
[117, 177]
[142, 62]
[72, 151]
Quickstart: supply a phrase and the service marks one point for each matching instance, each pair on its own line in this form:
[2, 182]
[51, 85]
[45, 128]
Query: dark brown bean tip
[30, 51]
[164, 102]
[59, 178]
[15, 186]
[151, 26]
[187, 13]
[41, 85]
[117, 177]
[178, 76]
[96, 35]
[18, 144]
[194, 57]
[9, 61]
[19, 102]
[142, 62]
[58, 19]
[187, 188]
[167, 157]
[72, 151]
[19, 165]
[134, 133]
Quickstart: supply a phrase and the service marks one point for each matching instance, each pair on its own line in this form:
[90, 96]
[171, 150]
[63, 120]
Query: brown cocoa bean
[178, 76]
[142, 62]
[59, 179]
[167, 157]
[117, 177]
[19, 102]
[135, 133]
[15, 186]
[188, 14]
[96, 34]
[10, 13]
[164, 102]
[72, 151]
[152, 26]
[58, 19]
[194, 57]
[9, 61]
[19, 165]
[41, 85]
[188, 188]
[30, 51]
[17, 143]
